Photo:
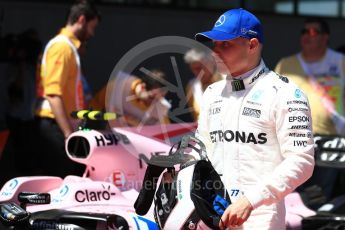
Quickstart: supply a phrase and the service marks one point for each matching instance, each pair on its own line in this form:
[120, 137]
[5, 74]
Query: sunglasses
[311, 31]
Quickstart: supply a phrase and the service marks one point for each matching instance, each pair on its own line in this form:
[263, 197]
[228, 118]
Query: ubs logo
[214, 111]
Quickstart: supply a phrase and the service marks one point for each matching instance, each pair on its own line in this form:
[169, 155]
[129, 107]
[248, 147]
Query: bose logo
[251, 112]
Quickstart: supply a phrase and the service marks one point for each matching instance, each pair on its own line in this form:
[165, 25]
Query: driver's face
[87, 30]
[232, 55]
[312, 38]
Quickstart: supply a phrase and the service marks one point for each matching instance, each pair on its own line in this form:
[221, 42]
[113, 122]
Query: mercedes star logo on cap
[220, 21]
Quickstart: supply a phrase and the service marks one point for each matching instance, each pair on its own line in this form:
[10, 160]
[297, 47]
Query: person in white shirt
[256, 126]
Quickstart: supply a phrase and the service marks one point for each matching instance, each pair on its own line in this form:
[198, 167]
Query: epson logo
[299, 119]
[251, 112]
[237, 136]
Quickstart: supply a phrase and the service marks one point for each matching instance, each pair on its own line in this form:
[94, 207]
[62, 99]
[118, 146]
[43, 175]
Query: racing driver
[256, 126]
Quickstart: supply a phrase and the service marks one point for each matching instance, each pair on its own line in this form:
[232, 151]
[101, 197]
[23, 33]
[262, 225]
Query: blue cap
[233, 24]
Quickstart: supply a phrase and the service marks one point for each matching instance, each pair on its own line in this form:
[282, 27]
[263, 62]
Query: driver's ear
[81, 19]
[254, 43]
[326, 38]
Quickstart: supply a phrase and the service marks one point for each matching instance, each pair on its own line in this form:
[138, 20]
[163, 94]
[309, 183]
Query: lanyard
[238, 84]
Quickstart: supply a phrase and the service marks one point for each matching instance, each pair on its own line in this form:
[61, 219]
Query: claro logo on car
[91, 196]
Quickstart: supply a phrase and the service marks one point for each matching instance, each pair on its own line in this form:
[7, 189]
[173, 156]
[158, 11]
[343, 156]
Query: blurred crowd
[19, 57]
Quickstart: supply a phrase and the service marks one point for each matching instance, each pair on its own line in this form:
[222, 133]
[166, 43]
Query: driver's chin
[222, 69]
[84, 38]
[83, 35]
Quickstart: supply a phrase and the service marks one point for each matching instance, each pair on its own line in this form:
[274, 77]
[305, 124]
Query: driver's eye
[225, 44]
[221, 45]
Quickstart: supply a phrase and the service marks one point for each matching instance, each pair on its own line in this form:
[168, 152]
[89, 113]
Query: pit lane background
[123, 27]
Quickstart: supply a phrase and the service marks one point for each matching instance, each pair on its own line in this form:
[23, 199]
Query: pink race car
[104, 197]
